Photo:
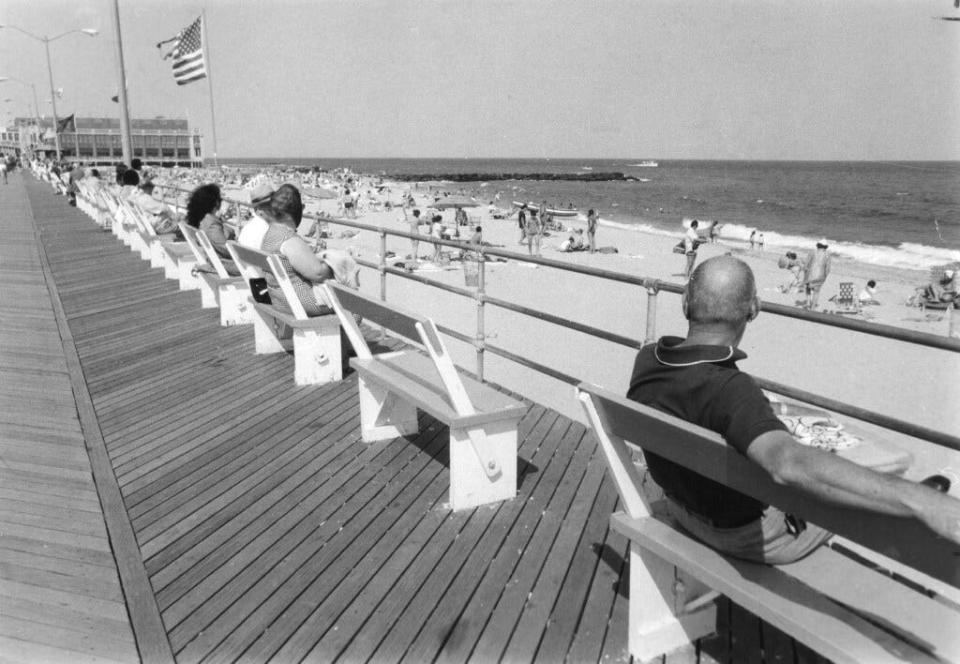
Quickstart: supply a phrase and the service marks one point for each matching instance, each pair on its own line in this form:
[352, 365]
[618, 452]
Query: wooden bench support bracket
[658, 622]
[234, 306]
[270, 335]
[209, 293]
[188, 280]
[316, 353]
[384, 416]
[471, 483]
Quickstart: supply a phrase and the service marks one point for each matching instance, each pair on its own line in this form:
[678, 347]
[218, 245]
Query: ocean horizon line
[604, 159]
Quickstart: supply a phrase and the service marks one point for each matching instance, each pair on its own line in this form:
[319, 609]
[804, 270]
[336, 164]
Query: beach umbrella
[455, 202]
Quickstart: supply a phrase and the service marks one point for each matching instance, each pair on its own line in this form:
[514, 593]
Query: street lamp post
[53, 96]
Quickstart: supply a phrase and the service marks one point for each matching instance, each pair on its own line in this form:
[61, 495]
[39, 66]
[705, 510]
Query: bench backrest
[212, 256]
[616, 419]
[253, 264]
[142, 219]
[399, 322]
[190, 235]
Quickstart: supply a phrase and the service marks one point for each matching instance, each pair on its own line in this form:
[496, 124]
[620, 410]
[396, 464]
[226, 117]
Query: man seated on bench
[697, 379]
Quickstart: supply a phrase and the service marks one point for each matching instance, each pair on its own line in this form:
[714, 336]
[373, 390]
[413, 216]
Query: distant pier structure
[166, 141]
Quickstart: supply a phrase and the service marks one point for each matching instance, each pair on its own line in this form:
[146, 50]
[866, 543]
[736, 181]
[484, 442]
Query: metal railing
[653, 288]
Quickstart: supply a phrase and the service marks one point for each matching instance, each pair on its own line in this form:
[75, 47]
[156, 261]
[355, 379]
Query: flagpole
[125, 144]
[213, 118]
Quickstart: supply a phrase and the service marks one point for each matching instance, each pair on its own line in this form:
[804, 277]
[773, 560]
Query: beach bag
[258, 290]
[679, 248]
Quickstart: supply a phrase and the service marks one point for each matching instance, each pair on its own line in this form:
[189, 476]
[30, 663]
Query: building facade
[159, 140]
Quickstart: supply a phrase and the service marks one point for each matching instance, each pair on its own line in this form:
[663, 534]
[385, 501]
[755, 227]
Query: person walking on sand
[816, 271]
[691, 240]
[533, 232]
[592, 217]
[522, 223]
[414, 222]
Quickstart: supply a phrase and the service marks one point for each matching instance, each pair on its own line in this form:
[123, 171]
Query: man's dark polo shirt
[702, 385]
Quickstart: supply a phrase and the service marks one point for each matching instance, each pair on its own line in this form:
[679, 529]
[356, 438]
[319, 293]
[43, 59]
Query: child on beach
[868, 294]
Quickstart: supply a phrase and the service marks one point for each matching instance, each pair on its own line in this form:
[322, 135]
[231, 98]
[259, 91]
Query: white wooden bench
[217, 287]
[315, 341]
[482, 420]
[841, 607]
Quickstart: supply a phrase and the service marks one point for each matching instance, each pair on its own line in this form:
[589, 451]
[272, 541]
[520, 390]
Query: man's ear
[685, 305]
[754, 309]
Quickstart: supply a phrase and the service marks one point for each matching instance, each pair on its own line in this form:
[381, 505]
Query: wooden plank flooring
[60, 595]
[267, 530]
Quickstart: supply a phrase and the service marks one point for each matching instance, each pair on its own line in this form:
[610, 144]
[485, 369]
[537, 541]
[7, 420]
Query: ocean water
[898, 214]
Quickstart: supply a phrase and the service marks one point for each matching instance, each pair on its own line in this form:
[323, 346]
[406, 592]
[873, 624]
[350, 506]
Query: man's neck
[713, 335]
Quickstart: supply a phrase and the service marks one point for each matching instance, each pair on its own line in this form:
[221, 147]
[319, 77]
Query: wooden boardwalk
[251, 524]
[60, 596]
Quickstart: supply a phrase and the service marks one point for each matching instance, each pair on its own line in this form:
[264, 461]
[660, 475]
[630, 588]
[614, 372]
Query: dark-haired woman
[202, 213]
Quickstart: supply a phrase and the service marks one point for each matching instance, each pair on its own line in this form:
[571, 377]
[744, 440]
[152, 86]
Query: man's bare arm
[843, 482]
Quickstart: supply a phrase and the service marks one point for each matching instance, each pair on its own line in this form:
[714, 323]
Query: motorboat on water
[556, 212]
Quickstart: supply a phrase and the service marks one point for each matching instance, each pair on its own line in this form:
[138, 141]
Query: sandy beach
[902, 380]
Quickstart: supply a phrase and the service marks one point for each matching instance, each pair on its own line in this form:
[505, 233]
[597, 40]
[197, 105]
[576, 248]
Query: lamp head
[4, 78]
[93, 32]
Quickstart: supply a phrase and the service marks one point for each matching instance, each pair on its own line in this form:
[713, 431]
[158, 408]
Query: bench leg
[469, 484]
[143, 246]
[171, 266]
[185, 276]
[209, 291]
[156, 253]
[234, 306]
[270, 335]
[316, 354]
[658, 594]
[384, 416]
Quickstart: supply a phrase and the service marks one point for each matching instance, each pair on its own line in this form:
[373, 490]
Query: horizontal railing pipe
[876, 329]
[513, 357]
[565, 322]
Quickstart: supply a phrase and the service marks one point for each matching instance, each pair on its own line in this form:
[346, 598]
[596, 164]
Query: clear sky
[810, 79]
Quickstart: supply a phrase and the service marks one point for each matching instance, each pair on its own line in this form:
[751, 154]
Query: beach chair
[394, 385]
[845, 300]
[314, 340]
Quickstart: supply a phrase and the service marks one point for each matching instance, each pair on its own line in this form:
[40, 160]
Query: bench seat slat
[288, 319]
[771, 593]
[411, 374]
[919, 618]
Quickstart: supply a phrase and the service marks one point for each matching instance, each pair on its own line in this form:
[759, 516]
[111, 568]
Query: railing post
[383, 265]
[651, 335]
[480, 343]
[383, 275]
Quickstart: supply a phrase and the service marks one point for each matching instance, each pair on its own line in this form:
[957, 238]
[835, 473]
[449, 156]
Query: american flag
[188, 61]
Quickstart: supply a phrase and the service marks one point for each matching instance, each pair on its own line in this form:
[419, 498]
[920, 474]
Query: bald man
[697, 379]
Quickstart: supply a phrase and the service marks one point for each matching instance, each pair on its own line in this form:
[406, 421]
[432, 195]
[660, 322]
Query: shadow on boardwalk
[268, 531]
